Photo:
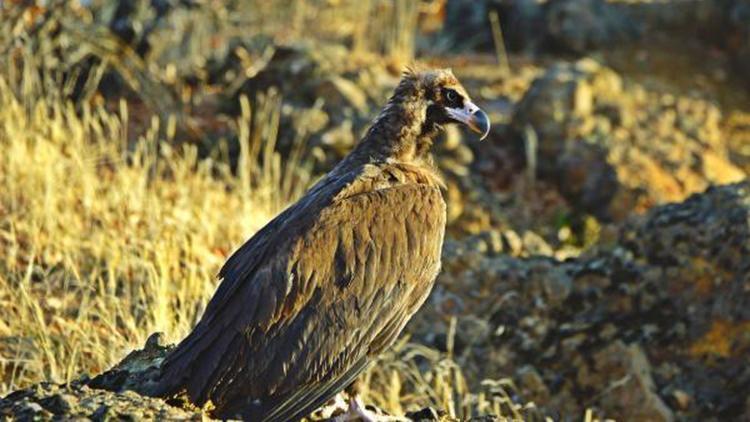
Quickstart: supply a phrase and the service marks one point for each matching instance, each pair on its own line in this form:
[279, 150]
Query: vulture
[314, 296]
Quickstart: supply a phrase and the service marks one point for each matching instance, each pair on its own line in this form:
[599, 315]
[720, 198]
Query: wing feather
[294, 320]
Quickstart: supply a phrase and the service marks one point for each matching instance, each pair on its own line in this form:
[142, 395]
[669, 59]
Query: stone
[611, 150]
[155, 341]
[59, 404]
[631, 395]
[664, 308]
[681, 399]
[76, 401]
[532, 384]
[583, 25]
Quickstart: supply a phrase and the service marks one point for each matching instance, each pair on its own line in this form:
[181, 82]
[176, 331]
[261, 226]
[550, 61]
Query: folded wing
[307, 301]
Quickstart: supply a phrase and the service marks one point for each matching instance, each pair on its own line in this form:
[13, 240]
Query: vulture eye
[451, 95]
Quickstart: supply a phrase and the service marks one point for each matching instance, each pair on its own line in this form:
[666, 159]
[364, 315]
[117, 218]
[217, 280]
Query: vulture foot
[336, 406]
[358, 412]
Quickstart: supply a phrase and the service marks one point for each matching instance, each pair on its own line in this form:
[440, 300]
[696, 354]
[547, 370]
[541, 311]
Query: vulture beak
[473, 117]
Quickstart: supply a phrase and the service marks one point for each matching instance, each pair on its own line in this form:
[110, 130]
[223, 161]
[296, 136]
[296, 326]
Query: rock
[155, 342]
[523, 24]
[471, 330]
[681, 399]
[532, 384]
[628, 389]
[583, 25]
[327, 99]
[666, 308]
[609, 160]
[48, 401]
[576, 26]
[59, 404]
[122, 393]
[138, 371]
[295, 68]
[463, 19]
[586, 26]
[585, 177]
[494, 241]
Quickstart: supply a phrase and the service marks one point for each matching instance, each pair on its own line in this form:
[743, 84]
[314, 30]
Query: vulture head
[444, 100]
[423, 102]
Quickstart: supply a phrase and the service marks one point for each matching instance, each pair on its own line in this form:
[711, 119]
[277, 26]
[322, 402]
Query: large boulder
[613, 147]
[574, 26]
[583, 25]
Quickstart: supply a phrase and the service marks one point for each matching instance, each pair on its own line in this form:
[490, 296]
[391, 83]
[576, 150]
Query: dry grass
[104, 242]
[412, 376]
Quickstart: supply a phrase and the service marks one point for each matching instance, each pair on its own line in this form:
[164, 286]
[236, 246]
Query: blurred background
[596, 264]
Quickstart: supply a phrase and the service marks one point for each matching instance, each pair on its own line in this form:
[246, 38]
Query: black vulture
[315, 295]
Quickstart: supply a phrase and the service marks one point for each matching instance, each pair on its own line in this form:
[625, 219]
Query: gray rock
[532, 384]
[623, 374]
[612, 148]
[77, 401]
[664, 309]
[583, 25]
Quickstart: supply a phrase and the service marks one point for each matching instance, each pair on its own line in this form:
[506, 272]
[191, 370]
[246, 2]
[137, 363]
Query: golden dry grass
[105, 240]
[105, 243]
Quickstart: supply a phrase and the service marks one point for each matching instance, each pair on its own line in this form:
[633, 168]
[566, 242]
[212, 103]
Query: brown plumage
[329, 283]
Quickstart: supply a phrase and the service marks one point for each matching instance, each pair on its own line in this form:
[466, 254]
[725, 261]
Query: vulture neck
[401, 132]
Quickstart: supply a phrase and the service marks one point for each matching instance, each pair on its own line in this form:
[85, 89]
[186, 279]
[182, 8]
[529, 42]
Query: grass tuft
[105, 241]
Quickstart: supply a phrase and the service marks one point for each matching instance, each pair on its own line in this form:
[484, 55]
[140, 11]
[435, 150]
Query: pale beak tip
[481, 124]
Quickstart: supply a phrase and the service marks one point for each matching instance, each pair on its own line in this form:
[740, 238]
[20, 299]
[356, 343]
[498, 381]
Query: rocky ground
[598, 240]
[655, 327]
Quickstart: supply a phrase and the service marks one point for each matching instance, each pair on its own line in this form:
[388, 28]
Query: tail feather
[293, 405]
[178, 371]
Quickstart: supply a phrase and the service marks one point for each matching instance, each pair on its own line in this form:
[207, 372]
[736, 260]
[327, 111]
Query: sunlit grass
[102, 244]
[412, 376]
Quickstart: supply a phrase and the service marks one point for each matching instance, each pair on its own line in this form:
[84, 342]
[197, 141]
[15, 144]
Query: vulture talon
[358, 412]
[338, 406]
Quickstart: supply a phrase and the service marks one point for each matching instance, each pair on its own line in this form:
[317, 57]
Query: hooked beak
[473, 117]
